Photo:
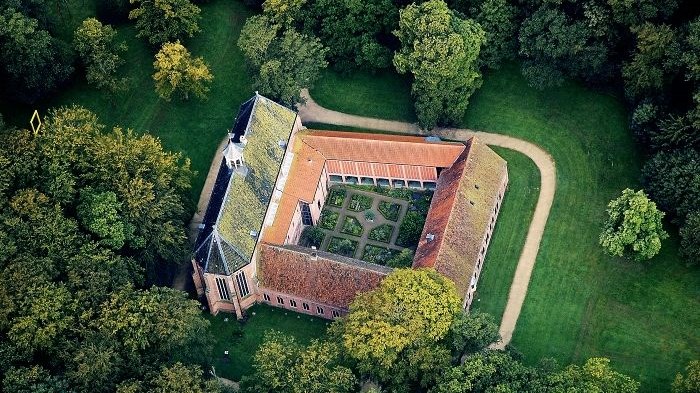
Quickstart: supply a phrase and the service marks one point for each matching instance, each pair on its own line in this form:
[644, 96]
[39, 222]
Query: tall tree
[690, 382]
[673, 181]
[655, 59]
[283, 365]
[178, 72]
[498, 18]
[440, 50]
[472, 332]
[100, 54]
[690, 238]
[161, 21]
[595, 375]
[32, 63]
[281, 60]
[633, 227]
[410, 309]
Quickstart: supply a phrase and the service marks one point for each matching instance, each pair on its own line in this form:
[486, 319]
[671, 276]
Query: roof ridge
[358, 263]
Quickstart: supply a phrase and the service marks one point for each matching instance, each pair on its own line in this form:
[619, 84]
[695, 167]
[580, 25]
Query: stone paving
[367, 226]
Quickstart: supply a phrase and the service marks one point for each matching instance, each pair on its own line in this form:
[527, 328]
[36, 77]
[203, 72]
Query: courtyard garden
[375, 224]
[580, 302]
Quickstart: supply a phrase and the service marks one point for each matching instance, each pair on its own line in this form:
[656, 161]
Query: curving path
[312, 112]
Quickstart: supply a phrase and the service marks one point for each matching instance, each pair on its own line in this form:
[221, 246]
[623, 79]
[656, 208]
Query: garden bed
[328, 220]
[342, 246]
[381, 233]
[359, 202]
[337, 196]
[398, 193]
[378, 255]
[390, 210]
[352, 226]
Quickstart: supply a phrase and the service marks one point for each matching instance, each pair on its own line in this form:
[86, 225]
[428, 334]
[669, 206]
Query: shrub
[328, 219]
[402, 259]
[382, 233]
[341, 246]
[312, 237]
[352, 226]
[378, 255]
[390, 210]
[336, 197]
[359, 202]
[410, 229]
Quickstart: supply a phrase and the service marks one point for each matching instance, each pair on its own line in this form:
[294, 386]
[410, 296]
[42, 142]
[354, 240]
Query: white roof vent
[253, 234]
[282, 143]
[430, 237]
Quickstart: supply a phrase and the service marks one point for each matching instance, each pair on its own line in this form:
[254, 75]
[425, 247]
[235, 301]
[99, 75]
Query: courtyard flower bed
[389, 210]
[328, 220]
[378, 255]
[359, 202]
[352, 226]
[342, 246]
[337, 196]
[381, 233]
[391, 192]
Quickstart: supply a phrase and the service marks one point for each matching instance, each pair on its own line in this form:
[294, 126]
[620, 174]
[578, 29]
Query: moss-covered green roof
[250, 187]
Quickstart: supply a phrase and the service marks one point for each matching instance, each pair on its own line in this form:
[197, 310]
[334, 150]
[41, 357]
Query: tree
[673, 181]
[472, 332]
[33, 379]
[498, 18]
[403, 260]
[355, 32]
[33, 63]
[689, 383]
[555, 45]
[281, 60]
[440, 50]
[690, 238]
[633, 228]
[282, 365]
[178, 72]
[674, 132]
[312, 236]
[635, 13]
[99, 214]
[691, 52]
[410, 309]
[595, 375]
[656, 58]
[162, 21]
[100, 54]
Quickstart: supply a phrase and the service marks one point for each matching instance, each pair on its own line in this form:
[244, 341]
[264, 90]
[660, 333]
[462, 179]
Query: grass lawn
[241, 350]
[509, 234]
[581, 303]
[193, 127]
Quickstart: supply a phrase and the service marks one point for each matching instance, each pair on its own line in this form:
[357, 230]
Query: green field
[581, 303]
[193, 127]
[509, 234]
[261, 319]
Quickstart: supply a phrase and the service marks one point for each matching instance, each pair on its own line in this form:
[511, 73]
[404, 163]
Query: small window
[266, 297]
[305, 306]
[336, 314]
[351, 180]
[336, 178]
[430, 185]
[398, 183]
[293, 303]
[319, 310]
[414, 184]
[280, 300]
[242, 284]
[368, 181]
[222, 286]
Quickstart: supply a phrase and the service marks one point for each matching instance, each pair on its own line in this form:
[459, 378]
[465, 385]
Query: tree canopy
[100, 54]
[178, 72]
[161, 21]
[440, 50]
[634, 228]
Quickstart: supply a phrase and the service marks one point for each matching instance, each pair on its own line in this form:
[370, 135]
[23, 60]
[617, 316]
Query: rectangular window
[242, 284]
[280, 300]
[336, 314]
[266, 297]
[293, 303]
[305, 306]
[319, 310]
[305, 213]
[221, 285]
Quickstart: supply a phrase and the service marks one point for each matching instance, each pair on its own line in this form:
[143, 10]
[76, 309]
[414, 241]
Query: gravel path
[312, 112]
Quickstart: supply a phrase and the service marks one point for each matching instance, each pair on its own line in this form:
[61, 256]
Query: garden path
[379, 219]
[311, 112]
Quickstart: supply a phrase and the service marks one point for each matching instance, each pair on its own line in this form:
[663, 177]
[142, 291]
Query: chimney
[430, 237]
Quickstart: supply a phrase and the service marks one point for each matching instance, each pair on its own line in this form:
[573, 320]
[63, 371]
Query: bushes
[359, 202]
[410, 230]
[404, 259]
[382, 233]
[344, 247]
[389, 210]
[312, 237]
[336, 197]
[352, 226]
[328, 220]
[378, 255]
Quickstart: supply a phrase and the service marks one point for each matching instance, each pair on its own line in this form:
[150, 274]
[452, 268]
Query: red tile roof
[458, 225]
[324, 278]
[382, 148]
